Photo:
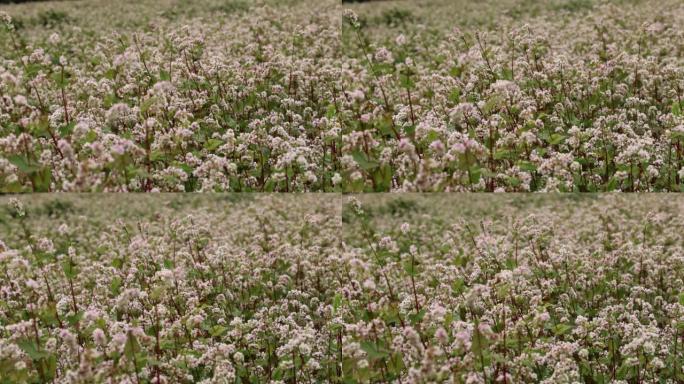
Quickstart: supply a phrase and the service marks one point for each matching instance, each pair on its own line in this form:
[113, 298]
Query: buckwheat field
[260, 102]
[182, 289]
[513, 289]
[515, 95]
[288, 95]
[336, 289]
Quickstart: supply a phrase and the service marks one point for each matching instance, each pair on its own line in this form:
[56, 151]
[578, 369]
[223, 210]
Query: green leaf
[337, 301]
[458, 286]
[492, 104]
[455, 95]
[373, 352]
[431, 137]
[60, 79]
[110, 99]
[456, 71]
[217, 330]
[157, 155]
[70, 269]
[363, 162]
[410, 268]
[185, 167]
[51, 367]
[383, 178]
[612, 184]
[42, 179]
[331, 112]
[32, 70]
[680, 326]
[514, 181]
[145, 105]
[91, 136]
[677, 135]
[384, 126]
[479, 341]
[503, 290]
[416, 318]
[212, 144]
[561, 329]
[556, 139]
[117, 263]
[164, 76]
[110, 73]
[66, 129]
[75, 318]
[475, 174]
[503, 154]
[157, 293]
[31, 348]
[132, 347]
[115, 285]
[624, 371]
[21, 163]
[48, 315]
[406, 81]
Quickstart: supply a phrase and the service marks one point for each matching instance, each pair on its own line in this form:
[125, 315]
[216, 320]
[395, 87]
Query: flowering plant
[552, 96]
[385, 96]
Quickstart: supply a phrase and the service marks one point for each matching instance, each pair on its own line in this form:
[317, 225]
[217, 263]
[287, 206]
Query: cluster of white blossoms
[236, 95]
[321, 288]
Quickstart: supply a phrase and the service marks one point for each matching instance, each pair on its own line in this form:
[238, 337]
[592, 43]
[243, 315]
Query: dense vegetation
[581, 95]
[332, 289]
